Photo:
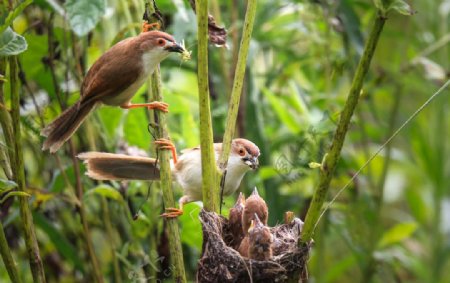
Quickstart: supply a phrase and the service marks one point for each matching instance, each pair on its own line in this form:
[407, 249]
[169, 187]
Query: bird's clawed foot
[161, 106]
[167, 144]
[172, 212]
[149, 26]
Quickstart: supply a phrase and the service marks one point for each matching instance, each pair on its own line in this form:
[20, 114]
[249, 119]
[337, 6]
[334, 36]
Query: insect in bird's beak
[252, 162]
[175, 47]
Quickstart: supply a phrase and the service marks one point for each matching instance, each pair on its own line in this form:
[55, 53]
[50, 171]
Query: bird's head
[158, 44]
[244, 153]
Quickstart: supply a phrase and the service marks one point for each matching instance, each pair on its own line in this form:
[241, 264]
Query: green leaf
[110, 118]
[282, 112]
[190, 226]
[397, 234]
[402, 7]
[11, 43]
[380, 6]
[12, 194]
[106, 191]
[59, 240]
[84, 14]
[6, 185]
[135, 128]
[13, 14]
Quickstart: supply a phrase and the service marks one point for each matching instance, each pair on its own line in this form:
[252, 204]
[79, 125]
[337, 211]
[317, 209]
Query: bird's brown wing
[111, 166]
[111, 74]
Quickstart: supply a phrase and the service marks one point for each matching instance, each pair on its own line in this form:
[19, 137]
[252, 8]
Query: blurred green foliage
[391, 225]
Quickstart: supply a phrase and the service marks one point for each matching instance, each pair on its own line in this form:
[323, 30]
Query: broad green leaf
[84, 14]
[11, 43]
[12, 194]
[30, 61]
[110, 118]
[397, 234]
[191, 226]
[136, 128]
[6, 185]
[379, 4]
[13, 14]
[402, 7]
[106, 191]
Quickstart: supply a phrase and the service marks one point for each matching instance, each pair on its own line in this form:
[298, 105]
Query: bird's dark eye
[241, 152]
[161, 42]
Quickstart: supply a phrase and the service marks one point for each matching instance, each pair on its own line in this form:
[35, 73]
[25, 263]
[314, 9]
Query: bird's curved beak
[175, 47]
[252, 162]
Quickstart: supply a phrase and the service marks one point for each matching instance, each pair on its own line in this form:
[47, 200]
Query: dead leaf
[217, 35]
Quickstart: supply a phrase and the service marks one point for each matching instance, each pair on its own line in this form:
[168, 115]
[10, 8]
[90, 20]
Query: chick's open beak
[175, 47]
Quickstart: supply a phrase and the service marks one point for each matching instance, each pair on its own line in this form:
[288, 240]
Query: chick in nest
[254, 205]
[235, 221]
[257, 244]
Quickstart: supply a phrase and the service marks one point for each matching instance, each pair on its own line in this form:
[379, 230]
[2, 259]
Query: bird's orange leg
[162, 106]
[172, 212]
[148, 26]
[175, 212]
[167, 144]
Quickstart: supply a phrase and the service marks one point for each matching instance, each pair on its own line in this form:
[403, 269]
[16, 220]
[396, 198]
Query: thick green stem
[109, 232]
[165, 174]
[37, 269]
[237, 84]
[8, 260]
[332, 157]
[5, 119]
[83, 216]
[176, 251]
[210, 188]
[5, 122]
[78, 184]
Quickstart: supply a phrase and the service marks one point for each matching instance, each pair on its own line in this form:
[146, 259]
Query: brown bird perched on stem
[187, 169]
[113, 80]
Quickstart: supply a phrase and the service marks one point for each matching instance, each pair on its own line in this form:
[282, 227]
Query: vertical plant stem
[5, 122]
[83, 216]
[78, 184]
[176, 251]
[109, 232]
[331, 158]
[236, 92]
[4, 161]
[5, 119]
[37, 268]
[210, 188]
[8, 260]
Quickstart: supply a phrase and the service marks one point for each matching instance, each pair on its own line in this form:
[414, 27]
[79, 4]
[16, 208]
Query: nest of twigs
[221, 263]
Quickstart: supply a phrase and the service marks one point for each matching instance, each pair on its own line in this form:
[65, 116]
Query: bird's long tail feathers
[119, 167]
[63, 127]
